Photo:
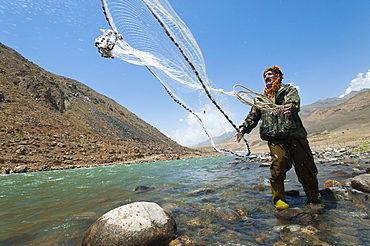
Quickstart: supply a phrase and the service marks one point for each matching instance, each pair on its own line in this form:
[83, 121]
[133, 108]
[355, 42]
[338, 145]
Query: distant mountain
[219, 139]
[53, 120]
[352, 113]
[309, 109]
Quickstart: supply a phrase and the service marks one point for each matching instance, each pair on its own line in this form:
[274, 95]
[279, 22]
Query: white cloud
[193, 133]
[361, 82]
[296, 86]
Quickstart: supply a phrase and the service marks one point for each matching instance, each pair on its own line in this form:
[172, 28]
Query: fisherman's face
[269, 78]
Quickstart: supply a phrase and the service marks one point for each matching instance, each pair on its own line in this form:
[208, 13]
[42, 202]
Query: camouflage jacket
[278, 126]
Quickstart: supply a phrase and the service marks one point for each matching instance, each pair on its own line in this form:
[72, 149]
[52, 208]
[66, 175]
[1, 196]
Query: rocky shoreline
[35, 150]
[356, 155]
[98, 154]
[72, 163]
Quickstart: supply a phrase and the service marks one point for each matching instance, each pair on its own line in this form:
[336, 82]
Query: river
[57, 207]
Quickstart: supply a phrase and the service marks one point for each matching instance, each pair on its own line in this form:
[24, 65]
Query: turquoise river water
[57, 207]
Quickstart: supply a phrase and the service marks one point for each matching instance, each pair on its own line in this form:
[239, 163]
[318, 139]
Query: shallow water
[57, 207]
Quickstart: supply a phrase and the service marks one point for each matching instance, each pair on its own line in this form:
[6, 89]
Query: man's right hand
[239, 135]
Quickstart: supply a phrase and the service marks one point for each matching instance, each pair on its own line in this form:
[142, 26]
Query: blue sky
[322, 46]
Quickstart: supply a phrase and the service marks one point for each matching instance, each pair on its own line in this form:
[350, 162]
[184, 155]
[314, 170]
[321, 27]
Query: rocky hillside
[48, 121]
[352, 111]
[306, 110]
[347, 122]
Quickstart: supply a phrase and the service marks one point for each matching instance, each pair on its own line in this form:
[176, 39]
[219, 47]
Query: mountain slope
[309, 109]
[47, 119]
[351, 113]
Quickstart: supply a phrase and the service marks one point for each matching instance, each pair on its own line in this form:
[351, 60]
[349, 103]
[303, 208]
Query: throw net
[150, 33]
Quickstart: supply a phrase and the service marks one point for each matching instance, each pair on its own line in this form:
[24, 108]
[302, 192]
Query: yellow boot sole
[280, 204]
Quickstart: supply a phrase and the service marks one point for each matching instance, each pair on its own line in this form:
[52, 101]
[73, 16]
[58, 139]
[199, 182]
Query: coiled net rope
[254, 99]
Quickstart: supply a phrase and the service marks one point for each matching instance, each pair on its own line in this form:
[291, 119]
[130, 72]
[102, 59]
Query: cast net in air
[150, 33]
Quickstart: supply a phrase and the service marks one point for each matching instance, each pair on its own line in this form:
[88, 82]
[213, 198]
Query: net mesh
[151, 34]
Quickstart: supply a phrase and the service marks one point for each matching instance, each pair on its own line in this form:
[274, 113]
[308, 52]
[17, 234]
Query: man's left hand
[287, 109]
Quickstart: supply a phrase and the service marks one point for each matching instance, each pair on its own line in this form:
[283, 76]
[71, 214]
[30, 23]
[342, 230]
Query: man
[286, 138]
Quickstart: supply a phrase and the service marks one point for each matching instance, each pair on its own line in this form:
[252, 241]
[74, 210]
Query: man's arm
[249, 123]
[292, 102]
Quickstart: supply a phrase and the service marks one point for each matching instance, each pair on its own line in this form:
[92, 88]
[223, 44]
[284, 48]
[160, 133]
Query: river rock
[332, 183]
[226, 215]
[265, 164]
[288, 214]
[259, 188]
[341, 174]
[343, 193]
[20, 169]
[360, 182]
[202, 191]
[142, 188]
[292, 193]
[315, 208]
[334, 193]
[2, 97]
[6, 170]
[296, 215]
[183, 240]
[134, 224]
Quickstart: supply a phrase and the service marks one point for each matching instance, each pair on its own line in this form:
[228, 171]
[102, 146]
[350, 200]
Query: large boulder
[134, 224]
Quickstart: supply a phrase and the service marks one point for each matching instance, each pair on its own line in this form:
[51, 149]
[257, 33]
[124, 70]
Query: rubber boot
[278, 196]
[280, 205]
[312, 196]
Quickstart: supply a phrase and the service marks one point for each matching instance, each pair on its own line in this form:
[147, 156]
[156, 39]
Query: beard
[274, 87]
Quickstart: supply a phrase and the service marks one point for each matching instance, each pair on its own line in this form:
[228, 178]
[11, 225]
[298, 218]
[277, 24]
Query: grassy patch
[362, 147]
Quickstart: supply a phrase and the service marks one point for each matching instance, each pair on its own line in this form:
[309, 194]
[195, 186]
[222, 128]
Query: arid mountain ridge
[51, 121]
[306, 110]
[344, 123]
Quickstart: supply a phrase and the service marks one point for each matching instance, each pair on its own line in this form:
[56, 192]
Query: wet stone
[361, 183]
[142, 188]
[183, 240]
[259, 188]
[202, 191]
[343, 194]
[304, 216]
[265, 164]
[341, 174]
[332, 183]
[226, 215]
[315, 208]
[292, 193]
[288, 214]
